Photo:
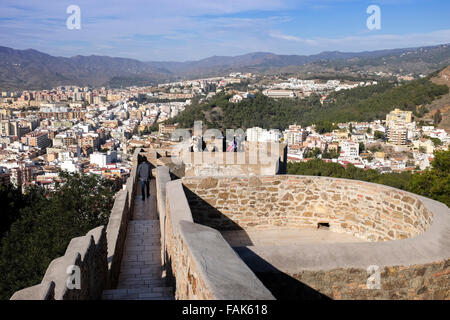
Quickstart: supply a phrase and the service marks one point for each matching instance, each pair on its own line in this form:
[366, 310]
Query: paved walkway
[281, 237]
[141, 275]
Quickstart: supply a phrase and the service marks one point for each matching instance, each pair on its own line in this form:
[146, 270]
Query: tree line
[433, 183]
[37, 226]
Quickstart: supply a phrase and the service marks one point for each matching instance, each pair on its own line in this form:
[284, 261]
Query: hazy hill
[423, 60]
[404, 61]
[31, 69]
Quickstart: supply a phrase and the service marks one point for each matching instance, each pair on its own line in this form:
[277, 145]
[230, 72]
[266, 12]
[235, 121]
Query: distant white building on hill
[280, 93]
[257, 134]
[349, 150]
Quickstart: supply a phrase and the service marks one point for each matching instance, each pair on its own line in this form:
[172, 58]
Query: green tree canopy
[378, 135]
[45, 226]
[437, 118]
[358, 104]
[434, 183]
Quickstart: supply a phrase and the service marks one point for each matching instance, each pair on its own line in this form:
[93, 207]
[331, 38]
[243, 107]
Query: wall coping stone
[162, 176]
[116, 234]
[179, 206]
[430, 246]
[41, 291]
[224, 273]
[53, 285]
[221, 269]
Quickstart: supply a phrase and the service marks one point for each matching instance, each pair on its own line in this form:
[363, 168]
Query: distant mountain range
[31, 69]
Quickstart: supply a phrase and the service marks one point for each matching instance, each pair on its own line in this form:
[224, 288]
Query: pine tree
[437, 118]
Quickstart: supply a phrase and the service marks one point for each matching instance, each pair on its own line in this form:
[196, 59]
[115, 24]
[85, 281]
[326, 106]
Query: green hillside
[359, 104]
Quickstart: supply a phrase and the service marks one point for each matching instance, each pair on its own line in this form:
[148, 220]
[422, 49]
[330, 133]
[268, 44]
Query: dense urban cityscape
[95, 130]
[244, 152]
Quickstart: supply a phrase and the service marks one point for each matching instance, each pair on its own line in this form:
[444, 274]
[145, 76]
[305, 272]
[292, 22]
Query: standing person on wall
[145, 173]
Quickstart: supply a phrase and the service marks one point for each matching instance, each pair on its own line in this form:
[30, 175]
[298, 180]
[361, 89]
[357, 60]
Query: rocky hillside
[442, 104]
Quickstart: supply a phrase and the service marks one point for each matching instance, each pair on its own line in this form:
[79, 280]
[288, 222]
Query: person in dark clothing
[144, 173]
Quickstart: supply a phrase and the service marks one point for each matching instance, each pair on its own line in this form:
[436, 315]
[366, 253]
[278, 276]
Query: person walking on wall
[145, 173]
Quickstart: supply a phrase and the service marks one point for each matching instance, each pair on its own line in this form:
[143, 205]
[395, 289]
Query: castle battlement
[257, 236]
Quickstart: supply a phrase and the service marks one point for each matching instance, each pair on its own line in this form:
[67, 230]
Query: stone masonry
[423, 282]
[368, 211]
[174, 238]
[408, 235]
[141, 273]
[198, 260]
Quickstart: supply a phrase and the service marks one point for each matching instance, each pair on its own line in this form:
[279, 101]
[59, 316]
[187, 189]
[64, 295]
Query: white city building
[349, 150]
[102, 159]
[69, 166]
[257, 134]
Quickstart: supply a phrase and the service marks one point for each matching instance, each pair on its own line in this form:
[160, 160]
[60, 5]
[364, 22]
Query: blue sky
[180, 30]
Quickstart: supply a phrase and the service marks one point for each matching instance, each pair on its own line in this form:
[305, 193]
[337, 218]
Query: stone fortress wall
[98, 254]
[368, 211]
[429, 281]
[407, 236]
[89, 253]
[197, 258]
[257, 159]
[193, 254]
[221, 164]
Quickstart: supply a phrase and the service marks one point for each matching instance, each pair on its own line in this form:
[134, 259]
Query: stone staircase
[141, 274]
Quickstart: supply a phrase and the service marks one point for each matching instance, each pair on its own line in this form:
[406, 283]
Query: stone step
[139, 290]
[144, 269]
[141, 245]
[138, 293]
[146, 241]
[143, 223]
[147, 297]
[137, 272]
[144, 236]
[138, 283]
[140, 264]
[139, 242]
[145, 232]
[151, 232]
[148, 256]
[147, 235]
[144, 227]
[144, 249]
[155, 243]
[141, 277]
